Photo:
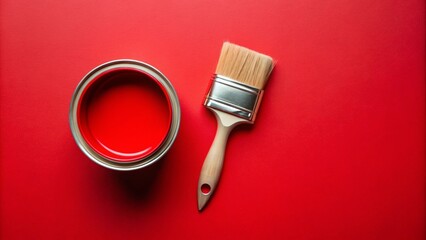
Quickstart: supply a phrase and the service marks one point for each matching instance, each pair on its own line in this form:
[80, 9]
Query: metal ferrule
[233, 97]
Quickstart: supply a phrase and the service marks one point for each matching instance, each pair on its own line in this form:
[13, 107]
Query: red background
[337, 151]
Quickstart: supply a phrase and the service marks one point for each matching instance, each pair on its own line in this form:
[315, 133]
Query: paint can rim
[165, 145]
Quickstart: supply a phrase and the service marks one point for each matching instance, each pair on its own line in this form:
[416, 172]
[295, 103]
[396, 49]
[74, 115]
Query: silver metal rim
[174, 127]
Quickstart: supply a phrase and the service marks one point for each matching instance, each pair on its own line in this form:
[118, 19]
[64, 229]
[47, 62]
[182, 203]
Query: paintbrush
[234, 97]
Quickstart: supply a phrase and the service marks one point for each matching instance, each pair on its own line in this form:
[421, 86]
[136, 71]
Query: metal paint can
[124, 115]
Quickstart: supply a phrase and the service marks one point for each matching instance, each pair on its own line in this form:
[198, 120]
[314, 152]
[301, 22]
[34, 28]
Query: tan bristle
[244, 65]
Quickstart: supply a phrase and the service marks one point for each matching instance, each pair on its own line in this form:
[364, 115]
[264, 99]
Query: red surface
[337, 150]
[124, 115]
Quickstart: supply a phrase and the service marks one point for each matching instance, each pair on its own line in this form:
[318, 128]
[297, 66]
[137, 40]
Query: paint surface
[124, 115]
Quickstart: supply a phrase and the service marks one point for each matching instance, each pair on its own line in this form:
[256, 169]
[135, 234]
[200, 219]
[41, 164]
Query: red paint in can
[124, 114]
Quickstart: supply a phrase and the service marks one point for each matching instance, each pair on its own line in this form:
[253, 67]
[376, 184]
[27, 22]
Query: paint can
[124, 114]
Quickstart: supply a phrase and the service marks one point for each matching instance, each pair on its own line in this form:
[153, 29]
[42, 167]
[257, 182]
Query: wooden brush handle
[212, 167]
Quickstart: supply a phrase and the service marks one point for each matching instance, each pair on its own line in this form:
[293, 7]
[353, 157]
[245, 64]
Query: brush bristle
[244, 65]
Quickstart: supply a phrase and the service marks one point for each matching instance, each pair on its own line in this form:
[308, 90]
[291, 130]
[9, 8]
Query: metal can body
[79, 133]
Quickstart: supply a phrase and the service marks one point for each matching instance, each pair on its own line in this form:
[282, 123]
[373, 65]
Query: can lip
[162, 148]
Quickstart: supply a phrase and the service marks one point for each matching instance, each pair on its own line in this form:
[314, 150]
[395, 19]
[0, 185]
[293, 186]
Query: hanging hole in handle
[205, 188]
